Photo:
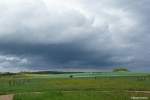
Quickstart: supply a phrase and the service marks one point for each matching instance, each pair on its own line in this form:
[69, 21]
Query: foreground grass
[101, 87]
[41, 85]
[79, 95]
[29, 84]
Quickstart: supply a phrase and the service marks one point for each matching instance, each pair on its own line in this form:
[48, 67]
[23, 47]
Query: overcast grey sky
[74, 34]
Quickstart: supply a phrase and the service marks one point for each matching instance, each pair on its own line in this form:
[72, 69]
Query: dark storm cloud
[48, 34]
[58, 55]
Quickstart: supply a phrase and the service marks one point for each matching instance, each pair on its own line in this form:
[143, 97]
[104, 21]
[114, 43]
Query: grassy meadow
[77, 86]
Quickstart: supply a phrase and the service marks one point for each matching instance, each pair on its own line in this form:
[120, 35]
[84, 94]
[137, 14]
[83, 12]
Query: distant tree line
[37, 72]
[49, 72]
[7, 74]
[121, 69]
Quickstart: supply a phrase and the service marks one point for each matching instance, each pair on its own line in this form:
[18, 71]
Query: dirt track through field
[6, 97]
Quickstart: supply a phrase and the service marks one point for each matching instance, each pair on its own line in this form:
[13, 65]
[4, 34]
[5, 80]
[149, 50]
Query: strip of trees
[120, 69]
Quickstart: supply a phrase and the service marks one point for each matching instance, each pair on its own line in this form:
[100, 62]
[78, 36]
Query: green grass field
[81, 86]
